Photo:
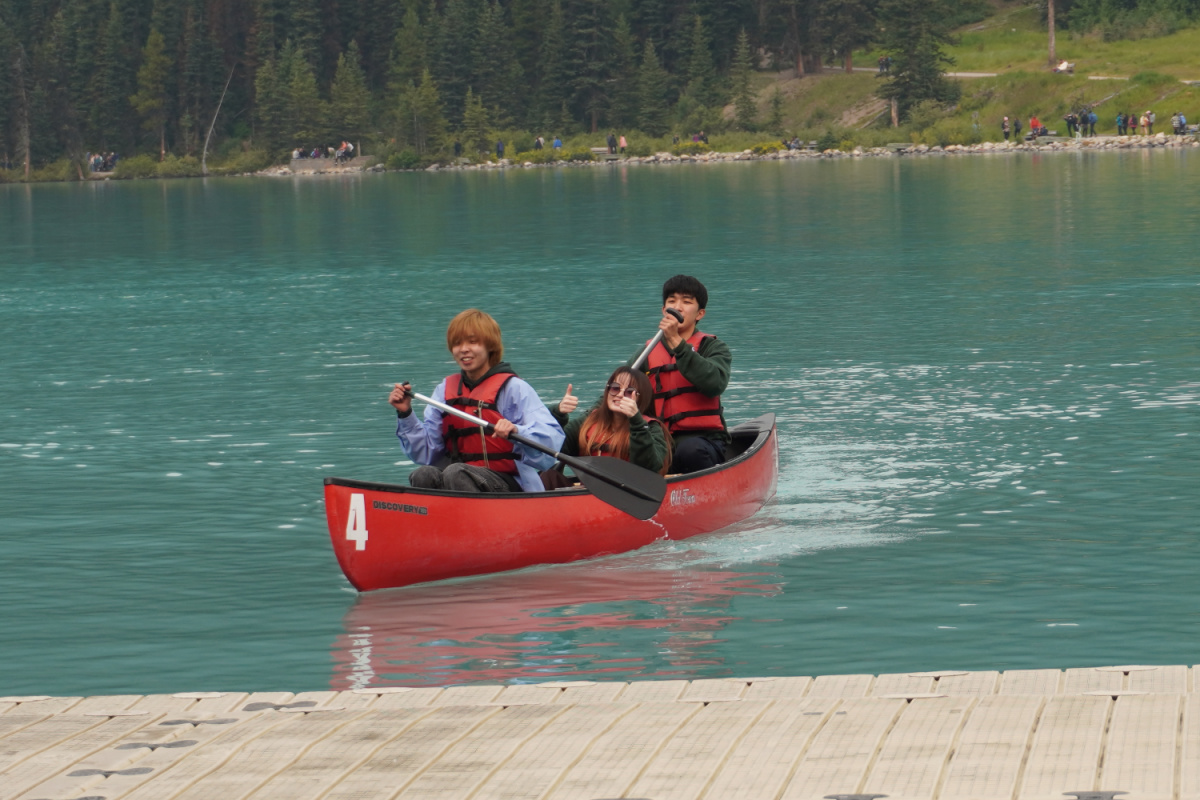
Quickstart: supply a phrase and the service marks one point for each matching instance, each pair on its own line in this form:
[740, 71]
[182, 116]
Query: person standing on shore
[1149, 126]
[623, 144]
[1005, 128]
[1017, 128]
[1070, 119]
[1145, 123]
[1092, 120]
[1035, 126]
[1120, 123]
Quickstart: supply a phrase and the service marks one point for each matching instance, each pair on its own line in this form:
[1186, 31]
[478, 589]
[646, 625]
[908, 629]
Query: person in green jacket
[616, 426]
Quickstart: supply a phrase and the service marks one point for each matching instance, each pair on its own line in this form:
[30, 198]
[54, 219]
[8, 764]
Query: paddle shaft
[573, 463]
[637, 364]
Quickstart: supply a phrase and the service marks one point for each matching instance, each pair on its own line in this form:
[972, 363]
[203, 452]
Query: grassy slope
[1011, 42]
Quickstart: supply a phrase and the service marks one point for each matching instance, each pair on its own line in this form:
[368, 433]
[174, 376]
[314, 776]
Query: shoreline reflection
[592, 620]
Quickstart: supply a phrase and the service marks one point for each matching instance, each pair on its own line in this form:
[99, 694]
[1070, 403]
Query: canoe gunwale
[762, 427]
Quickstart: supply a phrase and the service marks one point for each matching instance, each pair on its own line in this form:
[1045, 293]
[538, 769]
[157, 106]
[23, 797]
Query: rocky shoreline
[1049, 145]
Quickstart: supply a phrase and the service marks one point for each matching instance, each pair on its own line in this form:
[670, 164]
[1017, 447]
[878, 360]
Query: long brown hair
[605, 431]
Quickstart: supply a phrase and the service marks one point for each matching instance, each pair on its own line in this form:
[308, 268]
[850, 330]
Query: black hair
[686, 284]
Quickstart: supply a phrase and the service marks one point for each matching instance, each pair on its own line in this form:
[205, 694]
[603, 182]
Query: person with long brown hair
[617, 426]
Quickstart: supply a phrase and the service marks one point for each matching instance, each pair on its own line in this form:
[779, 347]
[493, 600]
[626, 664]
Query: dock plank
[991, 747]
[837, 760]
[901, 683]
[266, 755]
[467, 764]
[839, 686]
[595, 693]
[762, 761]
[972, 684]
[652, 692]
[615, 760]
[792, 688]
[1189, 778]
[59, 753]
[1078, 681]
[1030, 681]
[1169, 679]
[545, 758]
[1065, 753]
[911, 759]
[1139, 756]
[690, 758]
[428, 733]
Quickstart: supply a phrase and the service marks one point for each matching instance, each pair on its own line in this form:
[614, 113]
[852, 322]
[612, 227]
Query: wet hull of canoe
[388, 535]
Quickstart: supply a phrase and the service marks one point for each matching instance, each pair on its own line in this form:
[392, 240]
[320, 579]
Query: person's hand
[401, 397]
[569, 402]
[627, 406]
[504, 428]
[670, 328]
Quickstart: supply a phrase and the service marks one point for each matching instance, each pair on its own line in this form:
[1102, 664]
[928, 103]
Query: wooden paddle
[636, 491]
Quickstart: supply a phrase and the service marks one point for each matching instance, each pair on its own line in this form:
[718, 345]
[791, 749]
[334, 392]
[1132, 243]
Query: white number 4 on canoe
[356, 522]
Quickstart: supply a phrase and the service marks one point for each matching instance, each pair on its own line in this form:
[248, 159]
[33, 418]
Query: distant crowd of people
[1082, 123]
[102, 162]
[340, 153]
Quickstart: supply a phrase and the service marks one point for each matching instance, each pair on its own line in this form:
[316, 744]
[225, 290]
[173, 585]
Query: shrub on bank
[177, 167]
[143, 166]
[62, 170]
[690, 149]
[547, 155]
[243, 162]
[765, 148]
[581, 154]
[405, 159]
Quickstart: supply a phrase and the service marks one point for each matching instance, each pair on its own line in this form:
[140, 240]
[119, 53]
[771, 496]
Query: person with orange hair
[618, 426]
[458, 455]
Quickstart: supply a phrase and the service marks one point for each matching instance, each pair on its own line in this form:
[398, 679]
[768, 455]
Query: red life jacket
[466, 442]
[678, 403]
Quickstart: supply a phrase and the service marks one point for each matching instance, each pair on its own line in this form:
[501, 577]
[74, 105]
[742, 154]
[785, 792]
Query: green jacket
[708, 370]
[647, 442]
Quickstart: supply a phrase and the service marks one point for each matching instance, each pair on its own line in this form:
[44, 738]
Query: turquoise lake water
[986, 373]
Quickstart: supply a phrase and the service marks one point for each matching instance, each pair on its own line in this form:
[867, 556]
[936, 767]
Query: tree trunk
[1050, 25]
[162, 142]
[24, 143]
[799, 63]
[849, 61]
[213, 124]
[895, 113]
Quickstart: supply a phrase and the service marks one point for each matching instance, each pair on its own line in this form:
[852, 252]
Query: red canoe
[387, 535]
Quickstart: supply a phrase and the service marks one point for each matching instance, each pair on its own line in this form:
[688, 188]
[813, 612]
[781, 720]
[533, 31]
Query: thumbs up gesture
[569, 402]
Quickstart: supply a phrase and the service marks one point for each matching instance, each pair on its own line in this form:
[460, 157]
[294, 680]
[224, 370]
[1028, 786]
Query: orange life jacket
[465, 441]
[678, 403]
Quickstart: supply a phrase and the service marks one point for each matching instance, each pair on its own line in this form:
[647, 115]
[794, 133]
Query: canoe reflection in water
[602, 622]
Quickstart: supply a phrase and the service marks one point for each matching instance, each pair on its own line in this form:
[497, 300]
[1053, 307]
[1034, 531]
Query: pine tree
[271, 91]
[775, 121]
[652, 94]
[849, 25]
[150, 102]
[349, 99]
[307, 112]
[477, 129]
[623, 99]
[420, 113]
[450, 56]
[701, 74]
[112, 87]
[553, 79]
[497, 74]
[408, 53]
[589, 53]
[914, 33]
[741, 73]
[304, 29]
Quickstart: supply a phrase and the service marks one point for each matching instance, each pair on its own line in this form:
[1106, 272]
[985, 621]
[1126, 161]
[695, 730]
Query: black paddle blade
[636, 491]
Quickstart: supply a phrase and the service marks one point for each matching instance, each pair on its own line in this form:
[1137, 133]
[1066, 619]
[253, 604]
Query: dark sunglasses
[617, 389]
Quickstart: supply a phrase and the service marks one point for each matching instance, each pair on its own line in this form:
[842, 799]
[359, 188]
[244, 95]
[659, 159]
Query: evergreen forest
[148, 76]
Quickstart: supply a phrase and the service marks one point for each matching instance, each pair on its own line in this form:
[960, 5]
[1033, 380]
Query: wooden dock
[936, 735]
